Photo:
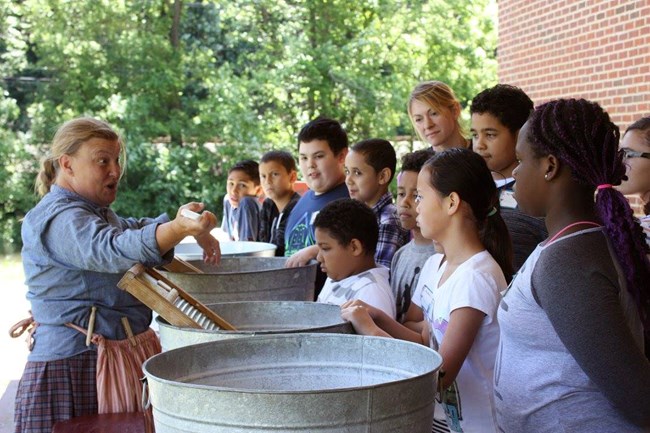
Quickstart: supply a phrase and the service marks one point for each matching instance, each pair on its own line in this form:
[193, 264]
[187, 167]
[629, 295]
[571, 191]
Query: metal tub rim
[310, 264]
[309, 330]
[223, 389]
[192, 251]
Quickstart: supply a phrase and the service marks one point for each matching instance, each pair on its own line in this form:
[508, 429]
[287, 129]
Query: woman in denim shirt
[75, 251]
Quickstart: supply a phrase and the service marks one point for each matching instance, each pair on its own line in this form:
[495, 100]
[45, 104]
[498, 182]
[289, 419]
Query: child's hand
[360, 318]
[211, 248]
[302, 257]
[373, 312]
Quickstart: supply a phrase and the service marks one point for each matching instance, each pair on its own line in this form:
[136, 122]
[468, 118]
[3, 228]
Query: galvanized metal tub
[259, 318]
[248, 279]
[192, 250]
[294, 382]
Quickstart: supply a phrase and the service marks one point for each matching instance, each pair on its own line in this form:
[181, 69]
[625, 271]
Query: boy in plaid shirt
[369, 169]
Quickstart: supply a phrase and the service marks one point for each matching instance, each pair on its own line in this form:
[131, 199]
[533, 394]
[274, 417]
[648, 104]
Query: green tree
[195, 86]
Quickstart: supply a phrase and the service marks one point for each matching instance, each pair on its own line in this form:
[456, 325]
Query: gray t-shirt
[405, 271]
[570, 357]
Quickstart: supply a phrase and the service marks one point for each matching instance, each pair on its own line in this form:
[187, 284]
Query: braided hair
[581, 135]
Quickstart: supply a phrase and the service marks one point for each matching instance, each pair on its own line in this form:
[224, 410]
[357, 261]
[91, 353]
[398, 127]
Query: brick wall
[593, 49]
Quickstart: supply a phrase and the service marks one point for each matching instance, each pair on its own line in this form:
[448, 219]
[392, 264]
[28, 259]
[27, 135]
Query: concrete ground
[13, 351]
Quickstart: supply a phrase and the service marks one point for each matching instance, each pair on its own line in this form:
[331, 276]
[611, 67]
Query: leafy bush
[160, 178]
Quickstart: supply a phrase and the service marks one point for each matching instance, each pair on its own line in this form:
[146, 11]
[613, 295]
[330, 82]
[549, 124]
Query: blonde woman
[75, 251]
[434, 111]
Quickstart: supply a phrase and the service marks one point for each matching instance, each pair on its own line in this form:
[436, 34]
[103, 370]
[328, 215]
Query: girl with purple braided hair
[572, 322]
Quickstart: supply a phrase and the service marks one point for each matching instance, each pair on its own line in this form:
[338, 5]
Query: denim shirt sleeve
[82, 238]
[138, 223]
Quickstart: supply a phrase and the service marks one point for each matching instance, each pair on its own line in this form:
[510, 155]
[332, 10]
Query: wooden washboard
[171, 302]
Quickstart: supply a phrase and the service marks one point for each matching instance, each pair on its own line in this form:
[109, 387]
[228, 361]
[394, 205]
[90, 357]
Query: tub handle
[146, 398]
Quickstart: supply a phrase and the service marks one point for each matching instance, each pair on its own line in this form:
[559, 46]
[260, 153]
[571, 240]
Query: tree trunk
[175, 134]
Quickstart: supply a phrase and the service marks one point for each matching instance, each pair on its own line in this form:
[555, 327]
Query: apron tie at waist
[26, 325]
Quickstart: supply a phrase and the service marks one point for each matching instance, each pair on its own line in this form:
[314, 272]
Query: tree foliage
[227, 79]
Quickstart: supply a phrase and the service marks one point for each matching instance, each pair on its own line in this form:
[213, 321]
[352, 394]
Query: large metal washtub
[192, 251]
[294, 382]
[259, 318]
[248, 279]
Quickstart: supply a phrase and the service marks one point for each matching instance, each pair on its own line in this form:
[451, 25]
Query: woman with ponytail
[454, 305]
[571, 351]
[75, 250]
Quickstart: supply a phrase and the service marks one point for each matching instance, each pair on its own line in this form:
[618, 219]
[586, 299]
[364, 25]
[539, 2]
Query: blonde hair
[67, 141]
[440, 98]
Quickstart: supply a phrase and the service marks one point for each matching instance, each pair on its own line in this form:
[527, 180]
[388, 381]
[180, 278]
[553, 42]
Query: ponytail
[581, 135]
[624, 231]
[495, 236]
[46, 177]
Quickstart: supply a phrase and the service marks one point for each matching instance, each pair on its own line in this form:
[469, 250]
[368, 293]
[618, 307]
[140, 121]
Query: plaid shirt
[391, 234]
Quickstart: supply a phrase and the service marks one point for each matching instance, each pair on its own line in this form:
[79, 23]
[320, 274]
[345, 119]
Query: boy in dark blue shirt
[277, 176]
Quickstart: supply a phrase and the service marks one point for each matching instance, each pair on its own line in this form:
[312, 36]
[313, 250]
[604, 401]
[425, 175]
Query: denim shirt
[74, 253]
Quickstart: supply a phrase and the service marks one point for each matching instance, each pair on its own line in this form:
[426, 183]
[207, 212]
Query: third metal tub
[322, 383]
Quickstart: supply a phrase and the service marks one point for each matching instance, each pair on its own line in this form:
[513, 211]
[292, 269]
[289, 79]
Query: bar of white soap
[189, 214]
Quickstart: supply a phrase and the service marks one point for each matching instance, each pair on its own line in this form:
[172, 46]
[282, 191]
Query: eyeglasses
[629, 153]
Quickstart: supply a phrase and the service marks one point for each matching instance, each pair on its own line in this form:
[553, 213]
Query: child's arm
[361, 320]
[264, 233]
[248, 221]
[302, 257]
[225, 220]
[368, 320]
[414, 318]
[464, 324]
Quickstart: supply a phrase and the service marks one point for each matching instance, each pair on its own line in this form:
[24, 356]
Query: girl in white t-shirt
[454, 305]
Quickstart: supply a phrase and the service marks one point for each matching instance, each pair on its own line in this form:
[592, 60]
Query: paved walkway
[13, 307]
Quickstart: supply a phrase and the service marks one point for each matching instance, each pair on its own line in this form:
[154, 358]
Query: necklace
[558, 234]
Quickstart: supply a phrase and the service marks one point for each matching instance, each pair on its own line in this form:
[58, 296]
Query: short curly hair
[346, 219]
[414, 161]
[323, 128]
[507, 103]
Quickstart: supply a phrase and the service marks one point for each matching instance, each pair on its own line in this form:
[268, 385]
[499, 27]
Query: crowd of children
[514, 253]
[513, 204]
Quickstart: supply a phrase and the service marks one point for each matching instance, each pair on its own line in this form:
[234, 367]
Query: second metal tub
[259, 318]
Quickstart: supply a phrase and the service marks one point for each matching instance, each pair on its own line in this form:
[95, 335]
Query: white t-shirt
[645, 225]
[476, 283]
[371, 287]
